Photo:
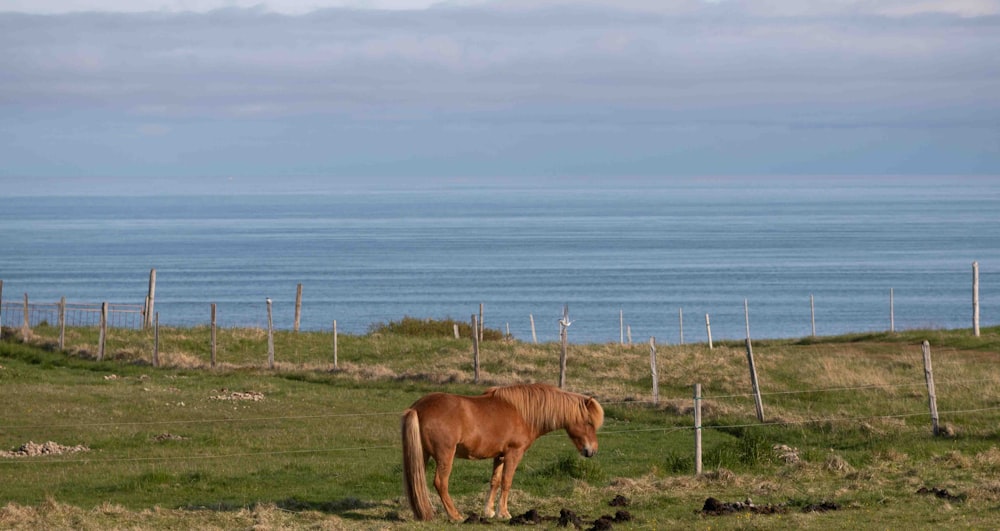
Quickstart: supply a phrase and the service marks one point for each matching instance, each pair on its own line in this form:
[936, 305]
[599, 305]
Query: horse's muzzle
[588, 452]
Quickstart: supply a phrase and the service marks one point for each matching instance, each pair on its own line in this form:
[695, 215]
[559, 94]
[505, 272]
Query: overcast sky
[189, 96]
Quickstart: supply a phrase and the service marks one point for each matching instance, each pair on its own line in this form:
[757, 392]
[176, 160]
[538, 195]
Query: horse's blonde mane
[549, 408]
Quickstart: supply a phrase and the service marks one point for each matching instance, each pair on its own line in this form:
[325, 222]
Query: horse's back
[478, 426]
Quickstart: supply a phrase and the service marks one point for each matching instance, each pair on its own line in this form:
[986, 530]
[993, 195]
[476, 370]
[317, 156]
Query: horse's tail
[414, 471]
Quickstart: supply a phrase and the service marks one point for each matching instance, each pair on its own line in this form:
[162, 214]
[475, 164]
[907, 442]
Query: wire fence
[116, 426]
[76, 314]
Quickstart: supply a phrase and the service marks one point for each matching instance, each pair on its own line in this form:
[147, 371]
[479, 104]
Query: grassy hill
[309, 445]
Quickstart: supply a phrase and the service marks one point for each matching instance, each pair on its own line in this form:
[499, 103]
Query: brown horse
[500, 424]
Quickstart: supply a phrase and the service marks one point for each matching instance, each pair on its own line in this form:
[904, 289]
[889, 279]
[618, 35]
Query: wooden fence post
[931, 395]
[653, 371]
[628, 331]
[454, 329]
[564, 344]
[270, 336]
[335, 344]
[104, 331]
[758, 403]
[156, 340]
[534, 338]
[975, 298]
[812, 314]
[62, 323]
[621, 327]
[708, 330]
[214, 344]
[150, 299]
[482, 323]
[697, 429]
[298, 306]
[680, 317]
[475, 349]
[26, 326]
[1, 309]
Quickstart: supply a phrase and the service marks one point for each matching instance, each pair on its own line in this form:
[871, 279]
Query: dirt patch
[714, 507]
[33, 449]
[168, 437]
[225, 394]
[941, 493]
[566, 518]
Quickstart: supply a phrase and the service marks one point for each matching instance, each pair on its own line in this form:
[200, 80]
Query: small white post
[812, 313]
[975, 299]
[680, 314]
[270, 336]
[697, 429]
[534, 338]
[214, 343]
[475, 349]
[708, 330]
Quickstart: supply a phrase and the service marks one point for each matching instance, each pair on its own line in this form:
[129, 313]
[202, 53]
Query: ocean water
[640, 249]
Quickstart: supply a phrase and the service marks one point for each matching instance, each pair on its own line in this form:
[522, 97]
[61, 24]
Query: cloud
[638, 85]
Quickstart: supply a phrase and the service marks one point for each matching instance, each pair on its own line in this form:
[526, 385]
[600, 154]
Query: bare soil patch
[225, 394]
[33, 449]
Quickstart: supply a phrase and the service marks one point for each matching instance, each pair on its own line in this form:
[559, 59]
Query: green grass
[321, 449]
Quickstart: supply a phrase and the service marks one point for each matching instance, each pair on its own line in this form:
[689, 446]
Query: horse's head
[584, 433]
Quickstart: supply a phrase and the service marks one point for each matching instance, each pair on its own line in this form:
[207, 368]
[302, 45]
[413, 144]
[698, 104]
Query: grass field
[308, 445]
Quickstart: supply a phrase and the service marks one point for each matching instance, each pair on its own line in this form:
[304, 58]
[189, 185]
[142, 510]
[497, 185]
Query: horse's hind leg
[494, 486]
[511, 461]
[441, 475]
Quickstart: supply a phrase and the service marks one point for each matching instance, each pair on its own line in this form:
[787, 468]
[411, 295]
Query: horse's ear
[596, 412]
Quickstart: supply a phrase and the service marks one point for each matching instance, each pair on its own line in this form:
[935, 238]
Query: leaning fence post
[697, 429]
[931, 395]
[298, 306]
[270, 336]
[104, 331]
[475, 349]
[758, 403]
[975, 298]
[534, 338]
[652, 370]
[213, 336]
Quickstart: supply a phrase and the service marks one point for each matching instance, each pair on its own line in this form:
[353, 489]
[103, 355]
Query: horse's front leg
[511, 460]
[441, 475]
[494, 486]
